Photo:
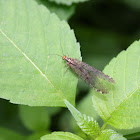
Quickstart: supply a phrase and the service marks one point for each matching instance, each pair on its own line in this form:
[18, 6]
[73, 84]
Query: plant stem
[104, 126]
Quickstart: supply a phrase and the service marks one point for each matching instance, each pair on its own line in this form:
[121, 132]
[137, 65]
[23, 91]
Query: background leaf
[86, 123]
[132, 3]
[29, 76]
[6, 134]
[64, 12]
[121, 107]
[135, 136]
[87, 102]
[109, 134]
[68, 2]
[36, 136]
[34, 118]
[61, 136]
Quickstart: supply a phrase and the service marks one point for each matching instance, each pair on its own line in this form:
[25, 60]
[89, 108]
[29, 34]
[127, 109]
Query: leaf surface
[86, 123]
[6, 134]
[34, 118]
[109, 134]
[61, 136]
[64, 12]
[37, 136]
[68, 2]
[132, 3]
[29, 74]
[121, 107]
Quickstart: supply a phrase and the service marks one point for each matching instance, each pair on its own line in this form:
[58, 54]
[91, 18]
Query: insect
[89, 74]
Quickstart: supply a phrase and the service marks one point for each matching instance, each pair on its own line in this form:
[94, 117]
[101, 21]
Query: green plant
[30, 75]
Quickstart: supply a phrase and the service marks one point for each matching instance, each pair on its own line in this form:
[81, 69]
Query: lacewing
[89, 74]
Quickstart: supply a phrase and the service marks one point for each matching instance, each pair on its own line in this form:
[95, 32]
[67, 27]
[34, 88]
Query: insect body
[89, 74]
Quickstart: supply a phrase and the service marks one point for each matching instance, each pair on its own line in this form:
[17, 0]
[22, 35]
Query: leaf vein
[122, 103]
[30, 61]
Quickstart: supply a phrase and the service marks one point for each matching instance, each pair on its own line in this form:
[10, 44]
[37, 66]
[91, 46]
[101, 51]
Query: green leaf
[53, 110]
[36, 136]
[68, 2]
[121, 107]
[61, 136]
[34, 118]
[109, 134]
[86, 123]
[29, 75]
[133, 136]
[6, 134]
[87, 102]
[132, 3]
[64, 12]
[82, 108]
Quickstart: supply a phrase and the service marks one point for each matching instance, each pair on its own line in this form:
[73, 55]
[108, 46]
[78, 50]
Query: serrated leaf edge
[84, 119]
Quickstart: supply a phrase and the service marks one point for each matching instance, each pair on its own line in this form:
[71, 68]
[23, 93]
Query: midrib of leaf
[67, 136]
[105, 124]
[138, 69]
[30, 61]
[125, 100]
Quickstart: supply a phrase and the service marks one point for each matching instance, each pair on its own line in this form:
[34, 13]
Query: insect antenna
[61, 47]
[56, 54]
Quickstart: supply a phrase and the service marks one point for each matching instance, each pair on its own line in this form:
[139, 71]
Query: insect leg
[67, 66]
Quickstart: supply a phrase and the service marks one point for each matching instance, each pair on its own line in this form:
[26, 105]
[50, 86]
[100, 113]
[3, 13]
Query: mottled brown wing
[90, 75]
[96, 72]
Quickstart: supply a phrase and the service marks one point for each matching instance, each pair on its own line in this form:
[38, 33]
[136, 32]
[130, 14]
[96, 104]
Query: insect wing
[96, 72]
[90, 75]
